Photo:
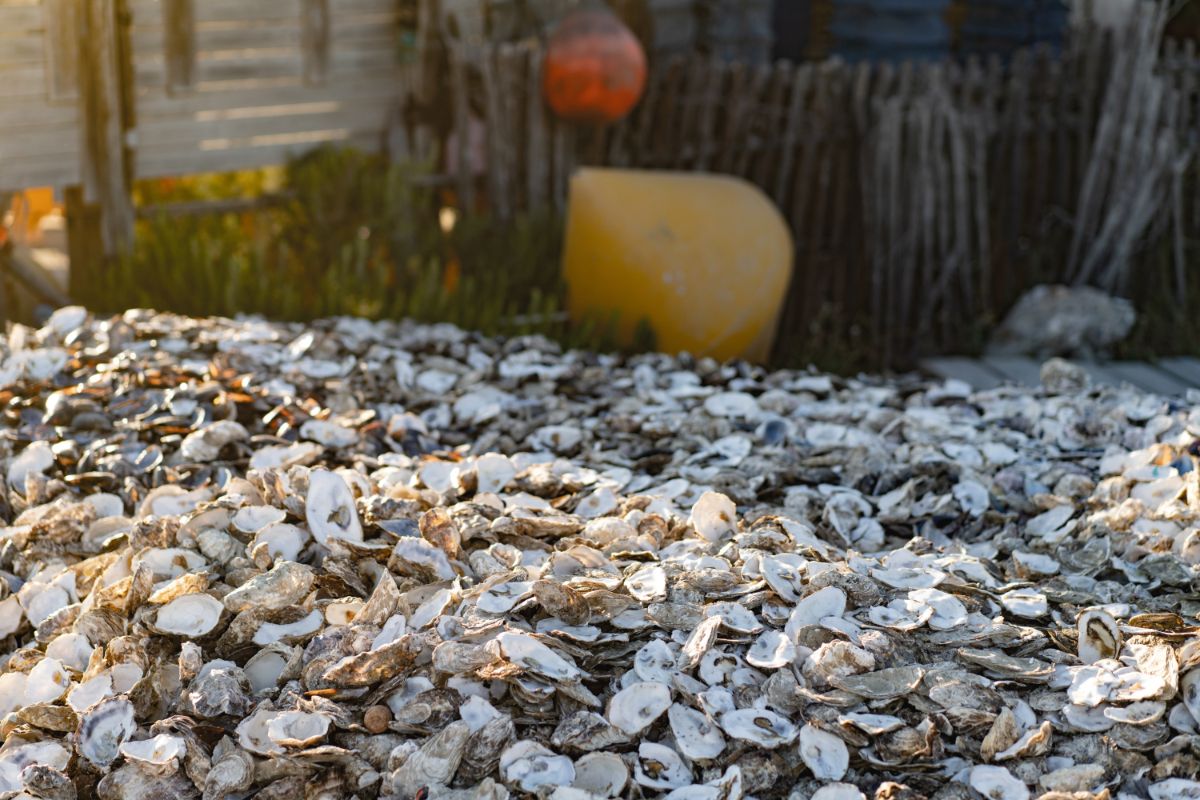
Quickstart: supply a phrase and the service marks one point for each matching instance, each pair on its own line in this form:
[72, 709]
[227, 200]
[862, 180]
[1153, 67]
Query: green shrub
[352, 234]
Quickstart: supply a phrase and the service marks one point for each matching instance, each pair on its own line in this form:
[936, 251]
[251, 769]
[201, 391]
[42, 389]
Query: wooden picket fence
[923, 197]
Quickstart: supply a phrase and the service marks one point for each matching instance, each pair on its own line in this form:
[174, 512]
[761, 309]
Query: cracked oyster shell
[714, 516]
[527, 652]
[329, 508]
[884, 684]
[527, 765]
[434, 762]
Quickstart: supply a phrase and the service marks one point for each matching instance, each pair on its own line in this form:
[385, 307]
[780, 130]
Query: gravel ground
[355, 559]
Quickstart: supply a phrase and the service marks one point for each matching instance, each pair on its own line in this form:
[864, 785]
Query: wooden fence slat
[706, 137]
[175, 160]
[28, 48]
[755, 108]
[497, 135]
[665, 134]
[797, 95]
[271, 101]
[735, 100]
[39, 141]
[647, 115]
[695, 79]
[538, 142]
[146, 37]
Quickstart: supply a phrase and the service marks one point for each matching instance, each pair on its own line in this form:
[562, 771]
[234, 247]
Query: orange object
[595, 68]
[28, 208]
[704, 259]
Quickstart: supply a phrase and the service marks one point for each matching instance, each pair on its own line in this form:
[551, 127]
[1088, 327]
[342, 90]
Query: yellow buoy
[705, 259]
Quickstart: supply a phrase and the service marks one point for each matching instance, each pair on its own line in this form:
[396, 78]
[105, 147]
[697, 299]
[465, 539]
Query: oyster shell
[191, 616]
[635, 707]
[388, 557]
[823, 753]
[103, 728]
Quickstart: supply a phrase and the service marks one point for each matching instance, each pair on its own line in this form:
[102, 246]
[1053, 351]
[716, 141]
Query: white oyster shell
[527, 765]
[696, 736]
[103, 728]
[158, 750]
[297, 728]
[997, 783]
[329, 508]
[190, 615]
[823, 753]
[635, 707]
[761, 726]
[714, 516]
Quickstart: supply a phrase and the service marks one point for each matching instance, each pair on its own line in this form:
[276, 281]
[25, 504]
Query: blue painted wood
[890, 30]
[1002, 26]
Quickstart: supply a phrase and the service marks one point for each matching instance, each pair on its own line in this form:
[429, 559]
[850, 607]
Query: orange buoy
[595, 68]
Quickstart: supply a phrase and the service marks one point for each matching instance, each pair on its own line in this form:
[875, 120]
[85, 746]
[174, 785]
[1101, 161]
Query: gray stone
[1063, 321]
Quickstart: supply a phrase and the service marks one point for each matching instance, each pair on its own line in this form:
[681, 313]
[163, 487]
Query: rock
[1063, 321]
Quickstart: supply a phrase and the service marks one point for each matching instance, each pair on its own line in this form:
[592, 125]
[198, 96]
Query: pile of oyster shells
[385, 560]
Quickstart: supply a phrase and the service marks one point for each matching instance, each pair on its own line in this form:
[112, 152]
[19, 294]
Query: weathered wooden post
[101, 212]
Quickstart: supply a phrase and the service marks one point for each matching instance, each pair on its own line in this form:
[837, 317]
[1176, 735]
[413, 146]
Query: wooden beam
[224, 206]
[104, 180]
[179, 45]
[17, 262]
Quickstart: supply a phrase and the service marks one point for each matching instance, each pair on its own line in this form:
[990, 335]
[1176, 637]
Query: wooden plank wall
[216, 85]
[40, 138]
[234, 84]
